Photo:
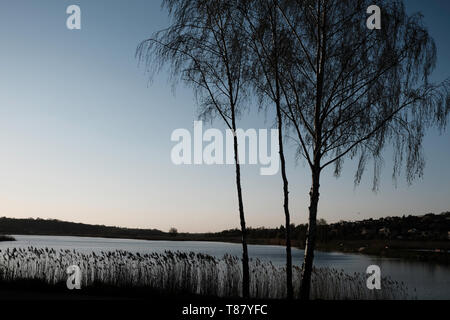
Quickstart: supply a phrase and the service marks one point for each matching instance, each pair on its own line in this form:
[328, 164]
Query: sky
[85, 137]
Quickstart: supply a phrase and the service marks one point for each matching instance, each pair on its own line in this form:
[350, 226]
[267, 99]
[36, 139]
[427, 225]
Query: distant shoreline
[422, 238]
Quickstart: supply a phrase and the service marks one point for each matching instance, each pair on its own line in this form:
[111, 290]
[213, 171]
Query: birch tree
[350, 92]
[204, 48]
[267, 38]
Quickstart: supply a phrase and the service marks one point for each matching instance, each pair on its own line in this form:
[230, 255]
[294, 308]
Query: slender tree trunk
[275, 39]
[245, 266]
[311, 235]
[290, 291]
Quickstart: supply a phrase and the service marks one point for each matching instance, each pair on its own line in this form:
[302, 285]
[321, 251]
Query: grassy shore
[436, 251]
[427, 251]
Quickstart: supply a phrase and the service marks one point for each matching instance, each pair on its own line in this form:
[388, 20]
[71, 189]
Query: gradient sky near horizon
[85, 137]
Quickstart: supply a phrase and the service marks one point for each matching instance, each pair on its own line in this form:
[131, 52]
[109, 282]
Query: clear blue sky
[84, 137]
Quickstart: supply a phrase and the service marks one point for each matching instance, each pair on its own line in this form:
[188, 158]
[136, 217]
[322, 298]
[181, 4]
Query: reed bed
[184, 273]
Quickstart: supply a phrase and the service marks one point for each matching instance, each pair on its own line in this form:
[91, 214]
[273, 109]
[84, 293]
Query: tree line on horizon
[337, 89]
[429, 227]
[64, 228]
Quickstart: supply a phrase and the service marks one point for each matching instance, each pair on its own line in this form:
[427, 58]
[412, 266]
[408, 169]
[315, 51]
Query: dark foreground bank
[29, 298]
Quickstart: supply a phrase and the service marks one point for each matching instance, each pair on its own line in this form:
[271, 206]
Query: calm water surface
[430, 281]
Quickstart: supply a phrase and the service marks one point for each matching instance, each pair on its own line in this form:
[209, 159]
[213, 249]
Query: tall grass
[189, 273]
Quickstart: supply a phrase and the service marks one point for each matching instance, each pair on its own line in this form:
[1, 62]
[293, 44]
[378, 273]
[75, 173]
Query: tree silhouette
[345, 91]
[173, 232]
[350, 92]
[266, 38]
[204, 48]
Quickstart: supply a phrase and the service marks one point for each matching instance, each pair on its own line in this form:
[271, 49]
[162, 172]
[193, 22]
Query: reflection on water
[430, 281]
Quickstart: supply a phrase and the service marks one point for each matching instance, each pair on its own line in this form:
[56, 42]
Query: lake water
[430, 281]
